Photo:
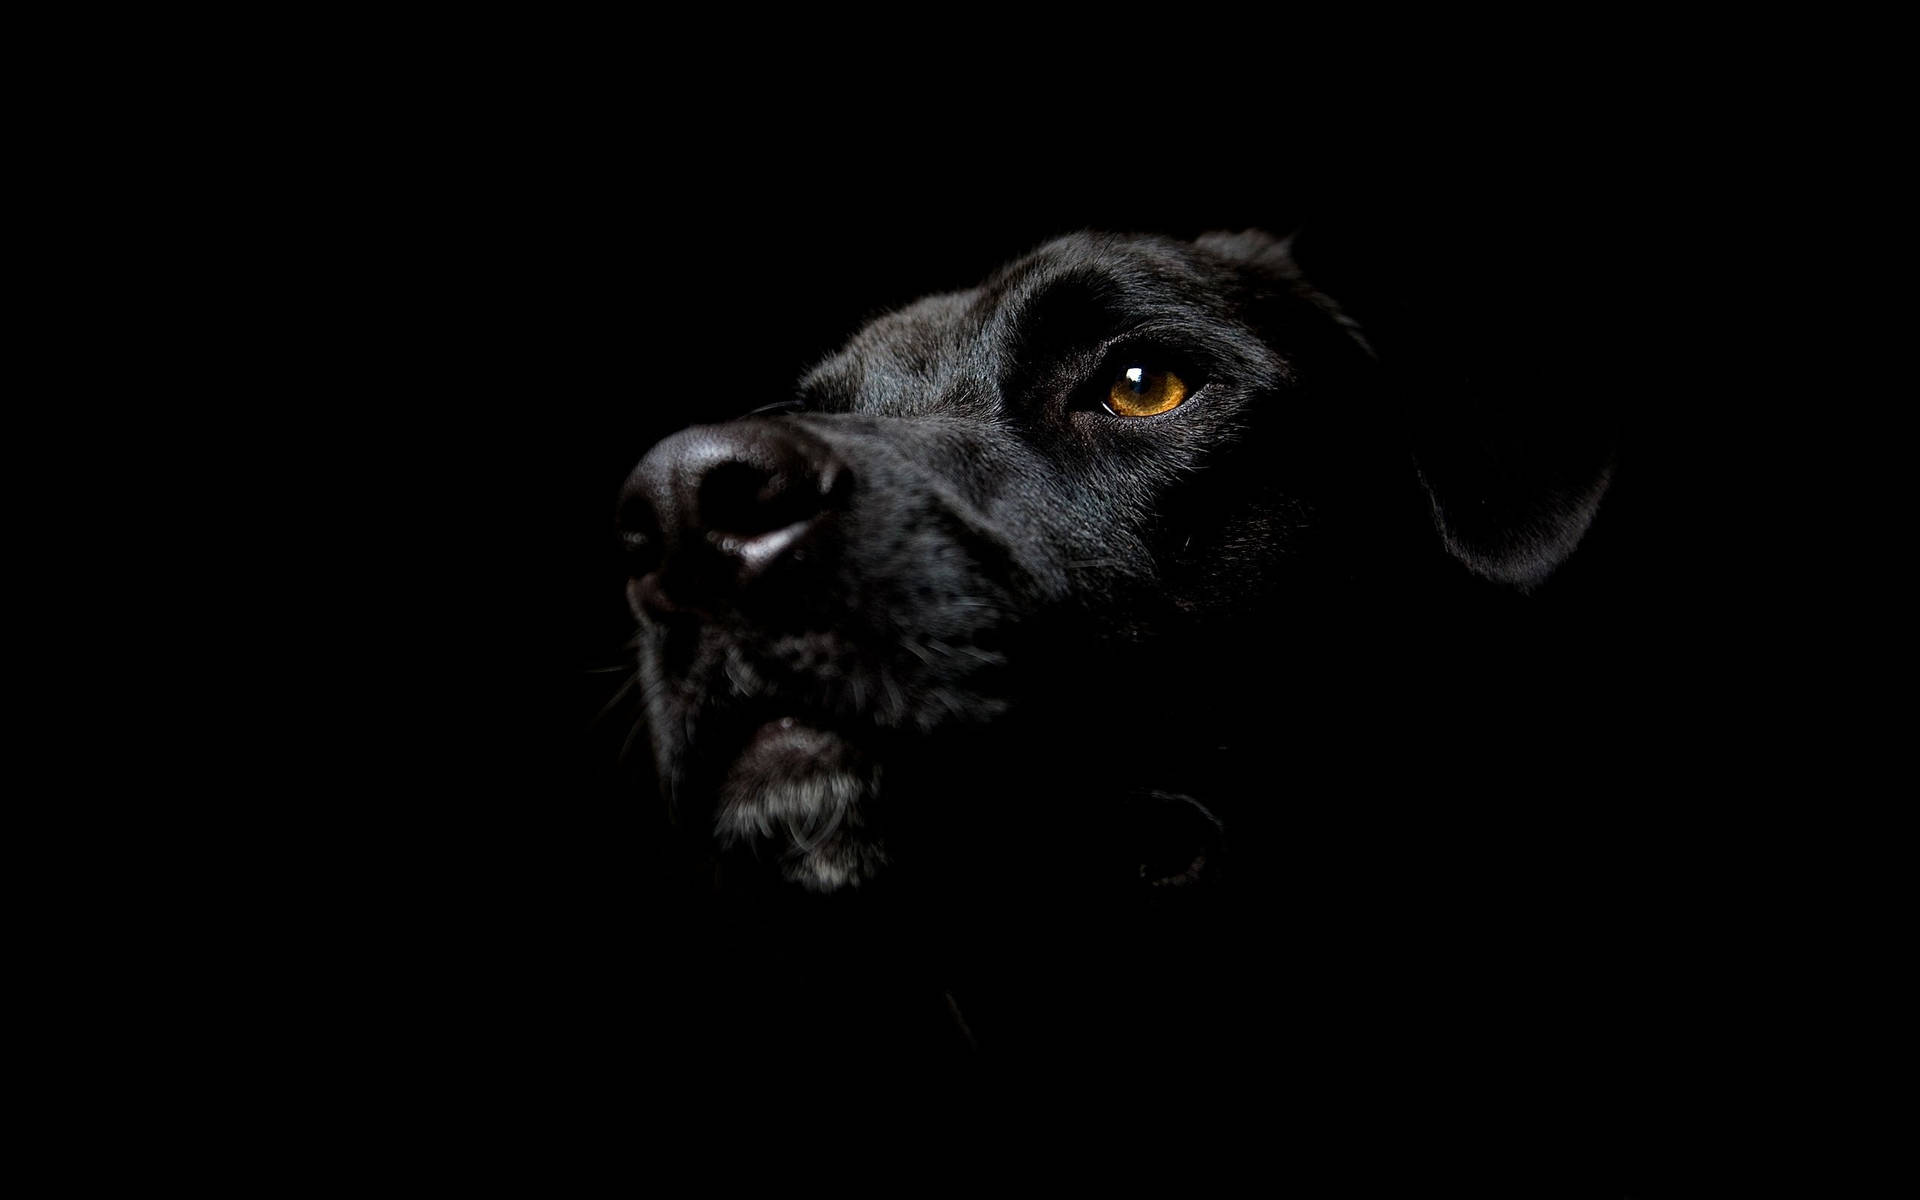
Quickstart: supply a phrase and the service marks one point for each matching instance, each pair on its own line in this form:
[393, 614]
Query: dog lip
[765, 735]
[772, 730]
[790, 744]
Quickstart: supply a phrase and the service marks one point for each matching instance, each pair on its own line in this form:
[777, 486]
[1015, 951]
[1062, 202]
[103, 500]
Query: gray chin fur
[814, 820]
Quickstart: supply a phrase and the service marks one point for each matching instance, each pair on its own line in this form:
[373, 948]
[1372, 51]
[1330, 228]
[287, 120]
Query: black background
[561, 286]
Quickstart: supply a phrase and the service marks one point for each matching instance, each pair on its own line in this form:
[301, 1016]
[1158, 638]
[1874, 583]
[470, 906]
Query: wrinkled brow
[1079, 308]
[1038, 319]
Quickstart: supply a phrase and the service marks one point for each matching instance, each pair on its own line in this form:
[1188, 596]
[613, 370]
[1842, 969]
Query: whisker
[899, 702]
[614, 701]
[633, 735]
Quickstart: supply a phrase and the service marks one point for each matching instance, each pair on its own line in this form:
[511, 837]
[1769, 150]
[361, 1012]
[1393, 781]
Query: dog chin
[803, 794]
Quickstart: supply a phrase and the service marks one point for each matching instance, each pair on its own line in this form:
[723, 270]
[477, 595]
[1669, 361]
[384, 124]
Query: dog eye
[1144, 392]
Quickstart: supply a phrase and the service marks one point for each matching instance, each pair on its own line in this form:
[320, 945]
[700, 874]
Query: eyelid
[1135, 349]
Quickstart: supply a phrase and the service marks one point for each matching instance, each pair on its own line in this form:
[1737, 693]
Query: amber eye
[1141, 392]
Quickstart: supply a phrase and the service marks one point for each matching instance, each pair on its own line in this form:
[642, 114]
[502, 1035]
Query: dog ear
[1512, 488]
[1511, 459]
[1273, 257]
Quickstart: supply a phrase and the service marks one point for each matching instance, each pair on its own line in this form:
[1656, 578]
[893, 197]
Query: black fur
[1099, 730]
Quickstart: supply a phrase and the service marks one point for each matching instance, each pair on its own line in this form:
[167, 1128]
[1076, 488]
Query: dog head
[1024, 545]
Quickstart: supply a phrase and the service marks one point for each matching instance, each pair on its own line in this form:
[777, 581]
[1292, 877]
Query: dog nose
[711, 509]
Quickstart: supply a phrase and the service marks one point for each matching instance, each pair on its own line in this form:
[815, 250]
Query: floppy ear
[1273, 258]
[1512, 489]
[1512, 459]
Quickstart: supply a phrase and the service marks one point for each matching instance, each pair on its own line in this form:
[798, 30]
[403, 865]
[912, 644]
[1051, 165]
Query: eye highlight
[1143, 392]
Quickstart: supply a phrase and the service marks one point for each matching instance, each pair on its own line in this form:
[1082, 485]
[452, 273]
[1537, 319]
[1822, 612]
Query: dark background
[567, 291]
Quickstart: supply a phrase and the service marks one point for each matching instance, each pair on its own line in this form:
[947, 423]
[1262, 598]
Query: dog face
[1015, 548]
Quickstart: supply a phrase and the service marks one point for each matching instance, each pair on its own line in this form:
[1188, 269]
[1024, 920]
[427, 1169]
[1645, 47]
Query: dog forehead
[1116, 260]
[946, 351]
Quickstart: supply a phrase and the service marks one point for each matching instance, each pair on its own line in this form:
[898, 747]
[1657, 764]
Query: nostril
[709, 510]
[745, 500]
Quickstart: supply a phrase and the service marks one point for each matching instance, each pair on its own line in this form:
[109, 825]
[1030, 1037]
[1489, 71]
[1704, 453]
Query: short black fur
[1020, 732]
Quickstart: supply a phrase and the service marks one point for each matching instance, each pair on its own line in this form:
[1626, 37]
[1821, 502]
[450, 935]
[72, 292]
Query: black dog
[1112, 619]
